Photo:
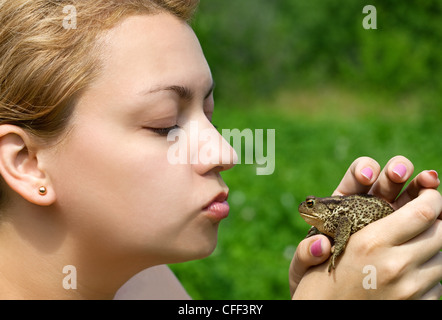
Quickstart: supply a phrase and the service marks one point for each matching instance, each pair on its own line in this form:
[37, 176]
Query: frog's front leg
[343, 231]
[312, 232]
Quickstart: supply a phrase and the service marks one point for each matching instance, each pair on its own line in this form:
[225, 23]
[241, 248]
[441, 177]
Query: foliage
[314, 147]
[333, 92]
[255, 47]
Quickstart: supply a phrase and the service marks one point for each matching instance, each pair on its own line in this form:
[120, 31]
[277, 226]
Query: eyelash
[164, 131]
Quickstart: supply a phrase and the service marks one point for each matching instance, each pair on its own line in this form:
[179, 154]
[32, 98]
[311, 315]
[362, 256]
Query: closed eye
[163, 131]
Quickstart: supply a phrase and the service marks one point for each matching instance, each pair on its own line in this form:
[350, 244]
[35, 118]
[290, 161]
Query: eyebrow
[183, 92]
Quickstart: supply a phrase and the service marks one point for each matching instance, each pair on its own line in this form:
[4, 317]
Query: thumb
[310, 252]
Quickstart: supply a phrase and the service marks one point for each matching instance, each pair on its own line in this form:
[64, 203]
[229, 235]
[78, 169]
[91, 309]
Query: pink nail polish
[367, 172]
[316, 248]
[400, 170]
[433, 173]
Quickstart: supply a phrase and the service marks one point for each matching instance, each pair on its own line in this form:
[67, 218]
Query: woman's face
[115, 186]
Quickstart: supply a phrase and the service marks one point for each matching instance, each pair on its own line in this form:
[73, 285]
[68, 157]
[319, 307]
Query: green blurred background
[333, 91]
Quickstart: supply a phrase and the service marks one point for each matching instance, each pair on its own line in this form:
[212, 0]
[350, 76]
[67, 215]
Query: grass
[319, 132]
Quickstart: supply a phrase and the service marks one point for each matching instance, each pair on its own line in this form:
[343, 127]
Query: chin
[204, 253]
[196, 250]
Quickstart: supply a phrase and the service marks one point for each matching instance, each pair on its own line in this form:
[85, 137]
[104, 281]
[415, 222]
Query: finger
[392, 178]
[434, 294]
[412, 219]
[426, 245]
[429, 274]
[310, 252]
[359, 177]
[426, 179]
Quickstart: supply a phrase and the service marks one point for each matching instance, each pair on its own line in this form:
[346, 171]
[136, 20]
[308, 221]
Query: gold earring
[42, 190]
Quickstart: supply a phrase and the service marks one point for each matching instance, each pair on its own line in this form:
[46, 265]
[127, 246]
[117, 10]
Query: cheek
[102, 171]
[122, 191]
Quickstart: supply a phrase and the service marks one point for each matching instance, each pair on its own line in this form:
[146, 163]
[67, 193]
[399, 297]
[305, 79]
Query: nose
[213, 152]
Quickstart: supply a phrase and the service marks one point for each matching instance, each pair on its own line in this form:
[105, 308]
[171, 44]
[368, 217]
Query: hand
[403, 247]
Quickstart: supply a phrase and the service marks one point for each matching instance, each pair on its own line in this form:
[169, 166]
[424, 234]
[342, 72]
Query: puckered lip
[220, 197]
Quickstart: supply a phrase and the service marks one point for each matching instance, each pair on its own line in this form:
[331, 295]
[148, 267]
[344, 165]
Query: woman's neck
[43, 260]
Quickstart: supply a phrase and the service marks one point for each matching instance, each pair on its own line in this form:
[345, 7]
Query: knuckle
[409, 290]
[434, 193]
[391, 270]
[426, 213]
[395, 273]
[366, 243]
[437, 195]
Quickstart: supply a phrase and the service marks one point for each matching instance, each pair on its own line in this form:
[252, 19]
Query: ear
[20, 167]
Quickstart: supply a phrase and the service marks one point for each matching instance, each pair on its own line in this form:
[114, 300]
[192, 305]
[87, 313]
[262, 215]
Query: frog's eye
[310, 202]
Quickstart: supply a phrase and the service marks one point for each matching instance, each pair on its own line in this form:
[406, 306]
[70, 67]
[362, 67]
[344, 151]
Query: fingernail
[433, 173]
[316, 248]
[367, 172]
[400, 170]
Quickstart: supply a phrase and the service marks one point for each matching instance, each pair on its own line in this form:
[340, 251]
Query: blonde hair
[44, 65]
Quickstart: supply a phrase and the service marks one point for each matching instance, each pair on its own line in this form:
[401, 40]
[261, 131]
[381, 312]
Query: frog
[338, 217]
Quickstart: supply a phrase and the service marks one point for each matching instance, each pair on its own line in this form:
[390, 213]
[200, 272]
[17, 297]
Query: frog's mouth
[308, 217]
[312, 220]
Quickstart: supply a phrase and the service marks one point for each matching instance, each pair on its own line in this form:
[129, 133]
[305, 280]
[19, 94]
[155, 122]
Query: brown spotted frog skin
[340, 216]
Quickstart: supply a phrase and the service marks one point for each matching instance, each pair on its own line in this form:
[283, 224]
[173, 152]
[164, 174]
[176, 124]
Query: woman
[89, 92]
